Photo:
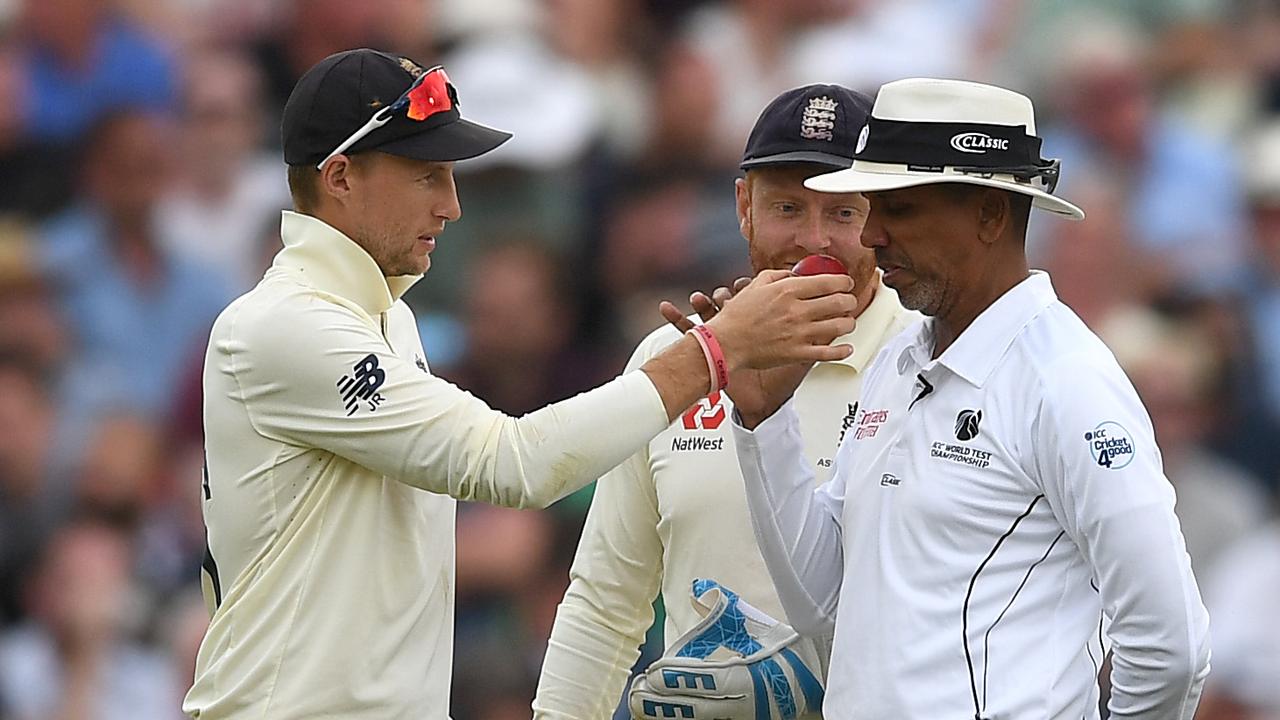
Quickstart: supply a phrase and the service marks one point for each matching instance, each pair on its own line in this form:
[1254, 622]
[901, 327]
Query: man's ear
[335, 177]
[742, 197]
[995, 213]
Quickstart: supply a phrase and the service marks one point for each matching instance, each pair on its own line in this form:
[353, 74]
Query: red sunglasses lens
[430, 95]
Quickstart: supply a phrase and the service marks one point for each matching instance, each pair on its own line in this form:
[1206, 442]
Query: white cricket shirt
[333, 460]
[676, 511]
[987, 510]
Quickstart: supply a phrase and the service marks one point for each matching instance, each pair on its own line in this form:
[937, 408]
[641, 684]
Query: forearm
[535, 460]
[796, 527]
[680, 375]
[1160, 629]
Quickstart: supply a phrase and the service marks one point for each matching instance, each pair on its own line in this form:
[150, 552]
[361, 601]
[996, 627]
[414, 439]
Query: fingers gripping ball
[737, 663]
[819, 265]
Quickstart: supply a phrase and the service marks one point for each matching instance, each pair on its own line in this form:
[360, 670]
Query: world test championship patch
[1111, 445]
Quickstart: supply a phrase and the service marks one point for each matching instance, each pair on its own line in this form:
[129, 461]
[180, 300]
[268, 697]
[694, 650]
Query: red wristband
[716, 365]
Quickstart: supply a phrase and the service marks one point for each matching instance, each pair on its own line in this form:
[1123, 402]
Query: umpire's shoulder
[1069, 365]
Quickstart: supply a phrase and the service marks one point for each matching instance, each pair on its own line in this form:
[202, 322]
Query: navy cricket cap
[811, 124]
[338, 95]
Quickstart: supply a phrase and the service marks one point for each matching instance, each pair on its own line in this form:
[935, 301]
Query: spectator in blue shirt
[81, 60]
[139, 315]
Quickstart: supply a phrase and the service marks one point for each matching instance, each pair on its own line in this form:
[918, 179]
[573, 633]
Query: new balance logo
[672, 678]
[362, 385]
[655, 709]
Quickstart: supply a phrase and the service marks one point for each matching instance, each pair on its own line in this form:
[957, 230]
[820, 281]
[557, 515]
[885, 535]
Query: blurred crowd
[141, 186]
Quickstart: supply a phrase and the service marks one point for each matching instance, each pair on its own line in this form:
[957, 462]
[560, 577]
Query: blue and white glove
[736, 664]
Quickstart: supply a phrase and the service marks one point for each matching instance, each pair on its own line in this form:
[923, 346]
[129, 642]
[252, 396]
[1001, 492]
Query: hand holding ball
[819, 265]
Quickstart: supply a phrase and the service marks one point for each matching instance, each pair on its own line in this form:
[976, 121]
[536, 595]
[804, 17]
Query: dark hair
[304, 182]
[304, 187]
[1019, 203]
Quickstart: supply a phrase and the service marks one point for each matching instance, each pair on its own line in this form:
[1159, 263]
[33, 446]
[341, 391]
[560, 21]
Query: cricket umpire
[998, 517]
[676, 512]
[334, 457]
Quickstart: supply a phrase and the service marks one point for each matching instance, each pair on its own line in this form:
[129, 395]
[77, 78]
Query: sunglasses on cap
[427, 96]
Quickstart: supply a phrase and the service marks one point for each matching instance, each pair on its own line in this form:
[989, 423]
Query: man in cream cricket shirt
[334, 457]
[676, 510]
[997, 515]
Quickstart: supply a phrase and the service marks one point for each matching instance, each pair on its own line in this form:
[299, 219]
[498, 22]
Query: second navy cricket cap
[811, 124]
[342, 92]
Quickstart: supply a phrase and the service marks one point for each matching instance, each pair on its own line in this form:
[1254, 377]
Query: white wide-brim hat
[924, 131]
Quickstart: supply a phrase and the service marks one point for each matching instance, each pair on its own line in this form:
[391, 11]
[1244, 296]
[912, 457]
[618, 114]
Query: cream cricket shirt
[987, 510]
[676, 511]
[333, 461]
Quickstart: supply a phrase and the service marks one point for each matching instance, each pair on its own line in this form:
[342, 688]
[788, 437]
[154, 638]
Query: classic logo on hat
[819, 119]
[978, 143]
[923, 131]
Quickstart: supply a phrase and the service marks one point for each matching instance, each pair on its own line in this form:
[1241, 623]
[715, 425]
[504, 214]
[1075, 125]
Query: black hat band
[969, 148]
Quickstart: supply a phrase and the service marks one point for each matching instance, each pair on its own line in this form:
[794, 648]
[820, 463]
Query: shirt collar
[334, 263]
[873, 323]
[974, 355]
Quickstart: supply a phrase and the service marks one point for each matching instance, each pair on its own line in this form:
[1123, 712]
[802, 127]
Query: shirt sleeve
[322, 377]
[797, 527]
[1101, 473]
[608, 606]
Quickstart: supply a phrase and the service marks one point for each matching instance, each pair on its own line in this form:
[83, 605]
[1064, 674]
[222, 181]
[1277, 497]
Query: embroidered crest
[862, 139]
[819, 119]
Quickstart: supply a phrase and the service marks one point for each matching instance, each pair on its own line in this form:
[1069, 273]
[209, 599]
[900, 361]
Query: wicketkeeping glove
[736, 664]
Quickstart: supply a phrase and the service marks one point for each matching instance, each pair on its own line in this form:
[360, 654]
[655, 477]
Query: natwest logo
[978, 143]
[707, 414]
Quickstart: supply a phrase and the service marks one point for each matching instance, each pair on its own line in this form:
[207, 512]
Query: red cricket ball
[819, 265]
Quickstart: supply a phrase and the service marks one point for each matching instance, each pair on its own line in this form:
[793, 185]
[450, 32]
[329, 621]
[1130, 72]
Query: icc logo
[967, 424]
[1111, 445]
[707, 414]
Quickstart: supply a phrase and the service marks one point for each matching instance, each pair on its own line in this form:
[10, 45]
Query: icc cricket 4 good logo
[1111, 445]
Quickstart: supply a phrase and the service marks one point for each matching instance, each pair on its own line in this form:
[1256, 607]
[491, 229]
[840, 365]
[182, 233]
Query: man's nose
[813, 236]
[450, 209]
[873, 234]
